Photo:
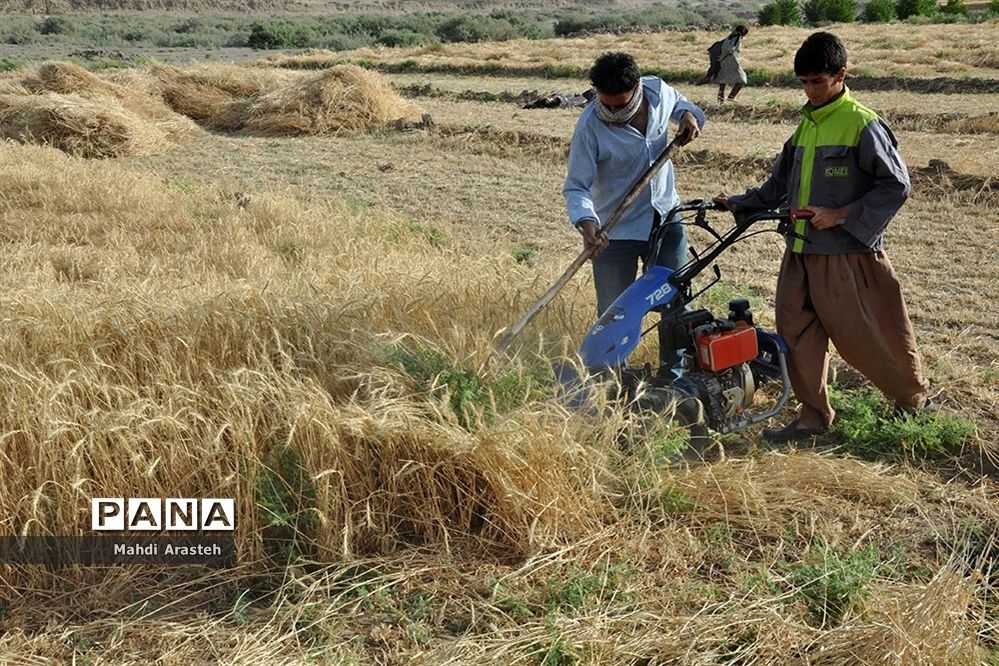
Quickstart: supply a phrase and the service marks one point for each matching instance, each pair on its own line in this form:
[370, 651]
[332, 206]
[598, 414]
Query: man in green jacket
[836, 283]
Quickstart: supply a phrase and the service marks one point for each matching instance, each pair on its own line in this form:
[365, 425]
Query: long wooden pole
[511, 334]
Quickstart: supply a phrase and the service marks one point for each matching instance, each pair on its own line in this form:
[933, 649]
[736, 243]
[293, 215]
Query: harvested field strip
[940, 84]
[884, 102]
[900, 120]
[948, 54]
[955, 123]
[967, 153]
[936, 177]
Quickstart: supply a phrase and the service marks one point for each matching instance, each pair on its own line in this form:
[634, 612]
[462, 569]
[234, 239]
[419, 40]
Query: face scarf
[623, 115]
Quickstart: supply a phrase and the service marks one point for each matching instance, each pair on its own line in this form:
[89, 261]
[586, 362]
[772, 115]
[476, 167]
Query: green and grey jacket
[841, 153]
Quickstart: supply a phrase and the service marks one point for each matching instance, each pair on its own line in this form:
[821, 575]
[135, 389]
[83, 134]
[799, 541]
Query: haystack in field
[65, 77]
[79, 125]
[69, 108]
[209, 94]
[345, 98]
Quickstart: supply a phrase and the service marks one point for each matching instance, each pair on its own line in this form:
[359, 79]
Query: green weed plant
[867, 427]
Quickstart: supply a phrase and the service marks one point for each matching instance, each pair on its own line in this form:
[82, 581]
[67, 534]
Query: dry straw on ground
[209, 93]
[913, 625]
[278, 102]
[164, 341]
[79, 125]
[921, 51]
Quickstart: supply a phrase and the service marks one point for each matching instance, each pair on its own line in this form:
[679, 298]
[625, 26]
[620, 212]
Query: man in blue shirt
[617, 138]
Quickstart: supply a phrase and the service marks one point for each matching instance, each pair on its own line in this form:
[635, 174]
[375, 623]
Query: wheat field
[298, 312]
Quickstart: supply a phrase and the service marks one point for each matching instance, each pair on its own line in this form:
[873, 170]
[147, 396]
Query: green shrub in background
[474, 29]
[529, 25]
[270, 36]
[879, 11]
[55, 25]
[498, 26]
[574, 21]
[400, 38]
[18, 30]
[283, 34]
[906, 8]
[780, 12]
[955, 8]
[835, 11]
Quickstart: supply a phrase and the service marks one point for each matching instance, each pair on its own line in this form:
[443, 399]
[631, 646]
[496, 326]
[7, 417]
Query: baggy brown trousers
[854, 300]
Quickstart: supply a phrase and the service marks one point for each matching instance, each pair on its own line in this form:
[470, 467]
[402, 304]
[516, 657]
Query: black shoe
[929, 407]
[791, 433]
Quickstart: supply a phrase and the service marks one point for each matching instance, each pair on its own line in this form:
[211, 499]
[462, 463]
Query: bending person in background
[836, 283]
[730, 71]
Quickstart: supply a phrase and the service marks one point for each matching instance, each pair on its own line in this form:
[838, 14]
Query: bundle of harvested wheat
[208, 94]
[307, 59]
[79, 125]
[66, 78]
[345, 98]
[70, 108]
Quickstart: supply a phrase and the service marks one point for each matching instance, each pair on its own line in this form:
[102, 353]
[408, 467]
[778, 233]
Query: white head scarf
[624, 115]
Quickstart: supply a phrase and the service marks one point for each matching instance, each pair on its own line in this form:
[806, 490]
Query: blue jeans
[617, 266]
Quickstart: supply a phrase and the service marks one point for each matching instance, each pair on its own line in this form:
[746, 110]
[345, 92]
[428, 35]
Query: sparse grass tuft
[523, 255]
[577, 589]
[411, 230]
[470, 396]
[833, 585]
[286, 499]
[10, 64]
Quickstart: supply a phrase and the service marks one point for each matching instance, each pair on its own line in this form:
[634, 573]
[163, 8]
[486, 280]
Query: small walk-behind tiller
[723, 360]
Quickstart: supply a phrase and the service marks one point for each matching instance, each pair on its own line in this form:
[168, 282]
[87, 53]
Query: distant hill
[180, 6]
[41, 7]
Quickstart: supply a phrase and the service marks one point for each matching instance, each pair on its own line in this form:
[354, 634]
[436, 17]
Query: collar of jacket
[826, 110]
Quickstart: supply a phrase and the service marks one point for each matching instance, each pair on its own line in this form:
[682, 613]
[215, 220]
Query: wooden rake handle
[511, 334]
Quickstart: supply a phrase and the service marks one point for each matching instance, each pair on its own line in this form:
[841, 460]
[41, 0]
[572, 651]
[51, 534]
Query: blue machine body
[617, 332]
[771, 347]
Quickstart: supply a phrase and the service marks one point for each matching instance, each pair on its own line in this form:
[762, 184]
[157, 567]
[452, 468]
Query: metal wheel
[682, 408]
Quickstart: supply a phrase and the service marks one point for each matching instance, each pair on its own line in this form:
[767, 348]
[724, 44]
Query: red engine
[722, 345]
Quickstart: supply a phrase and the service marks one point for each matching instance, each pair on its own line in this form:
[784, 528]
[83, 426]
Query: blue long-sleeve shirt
[606, 160]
